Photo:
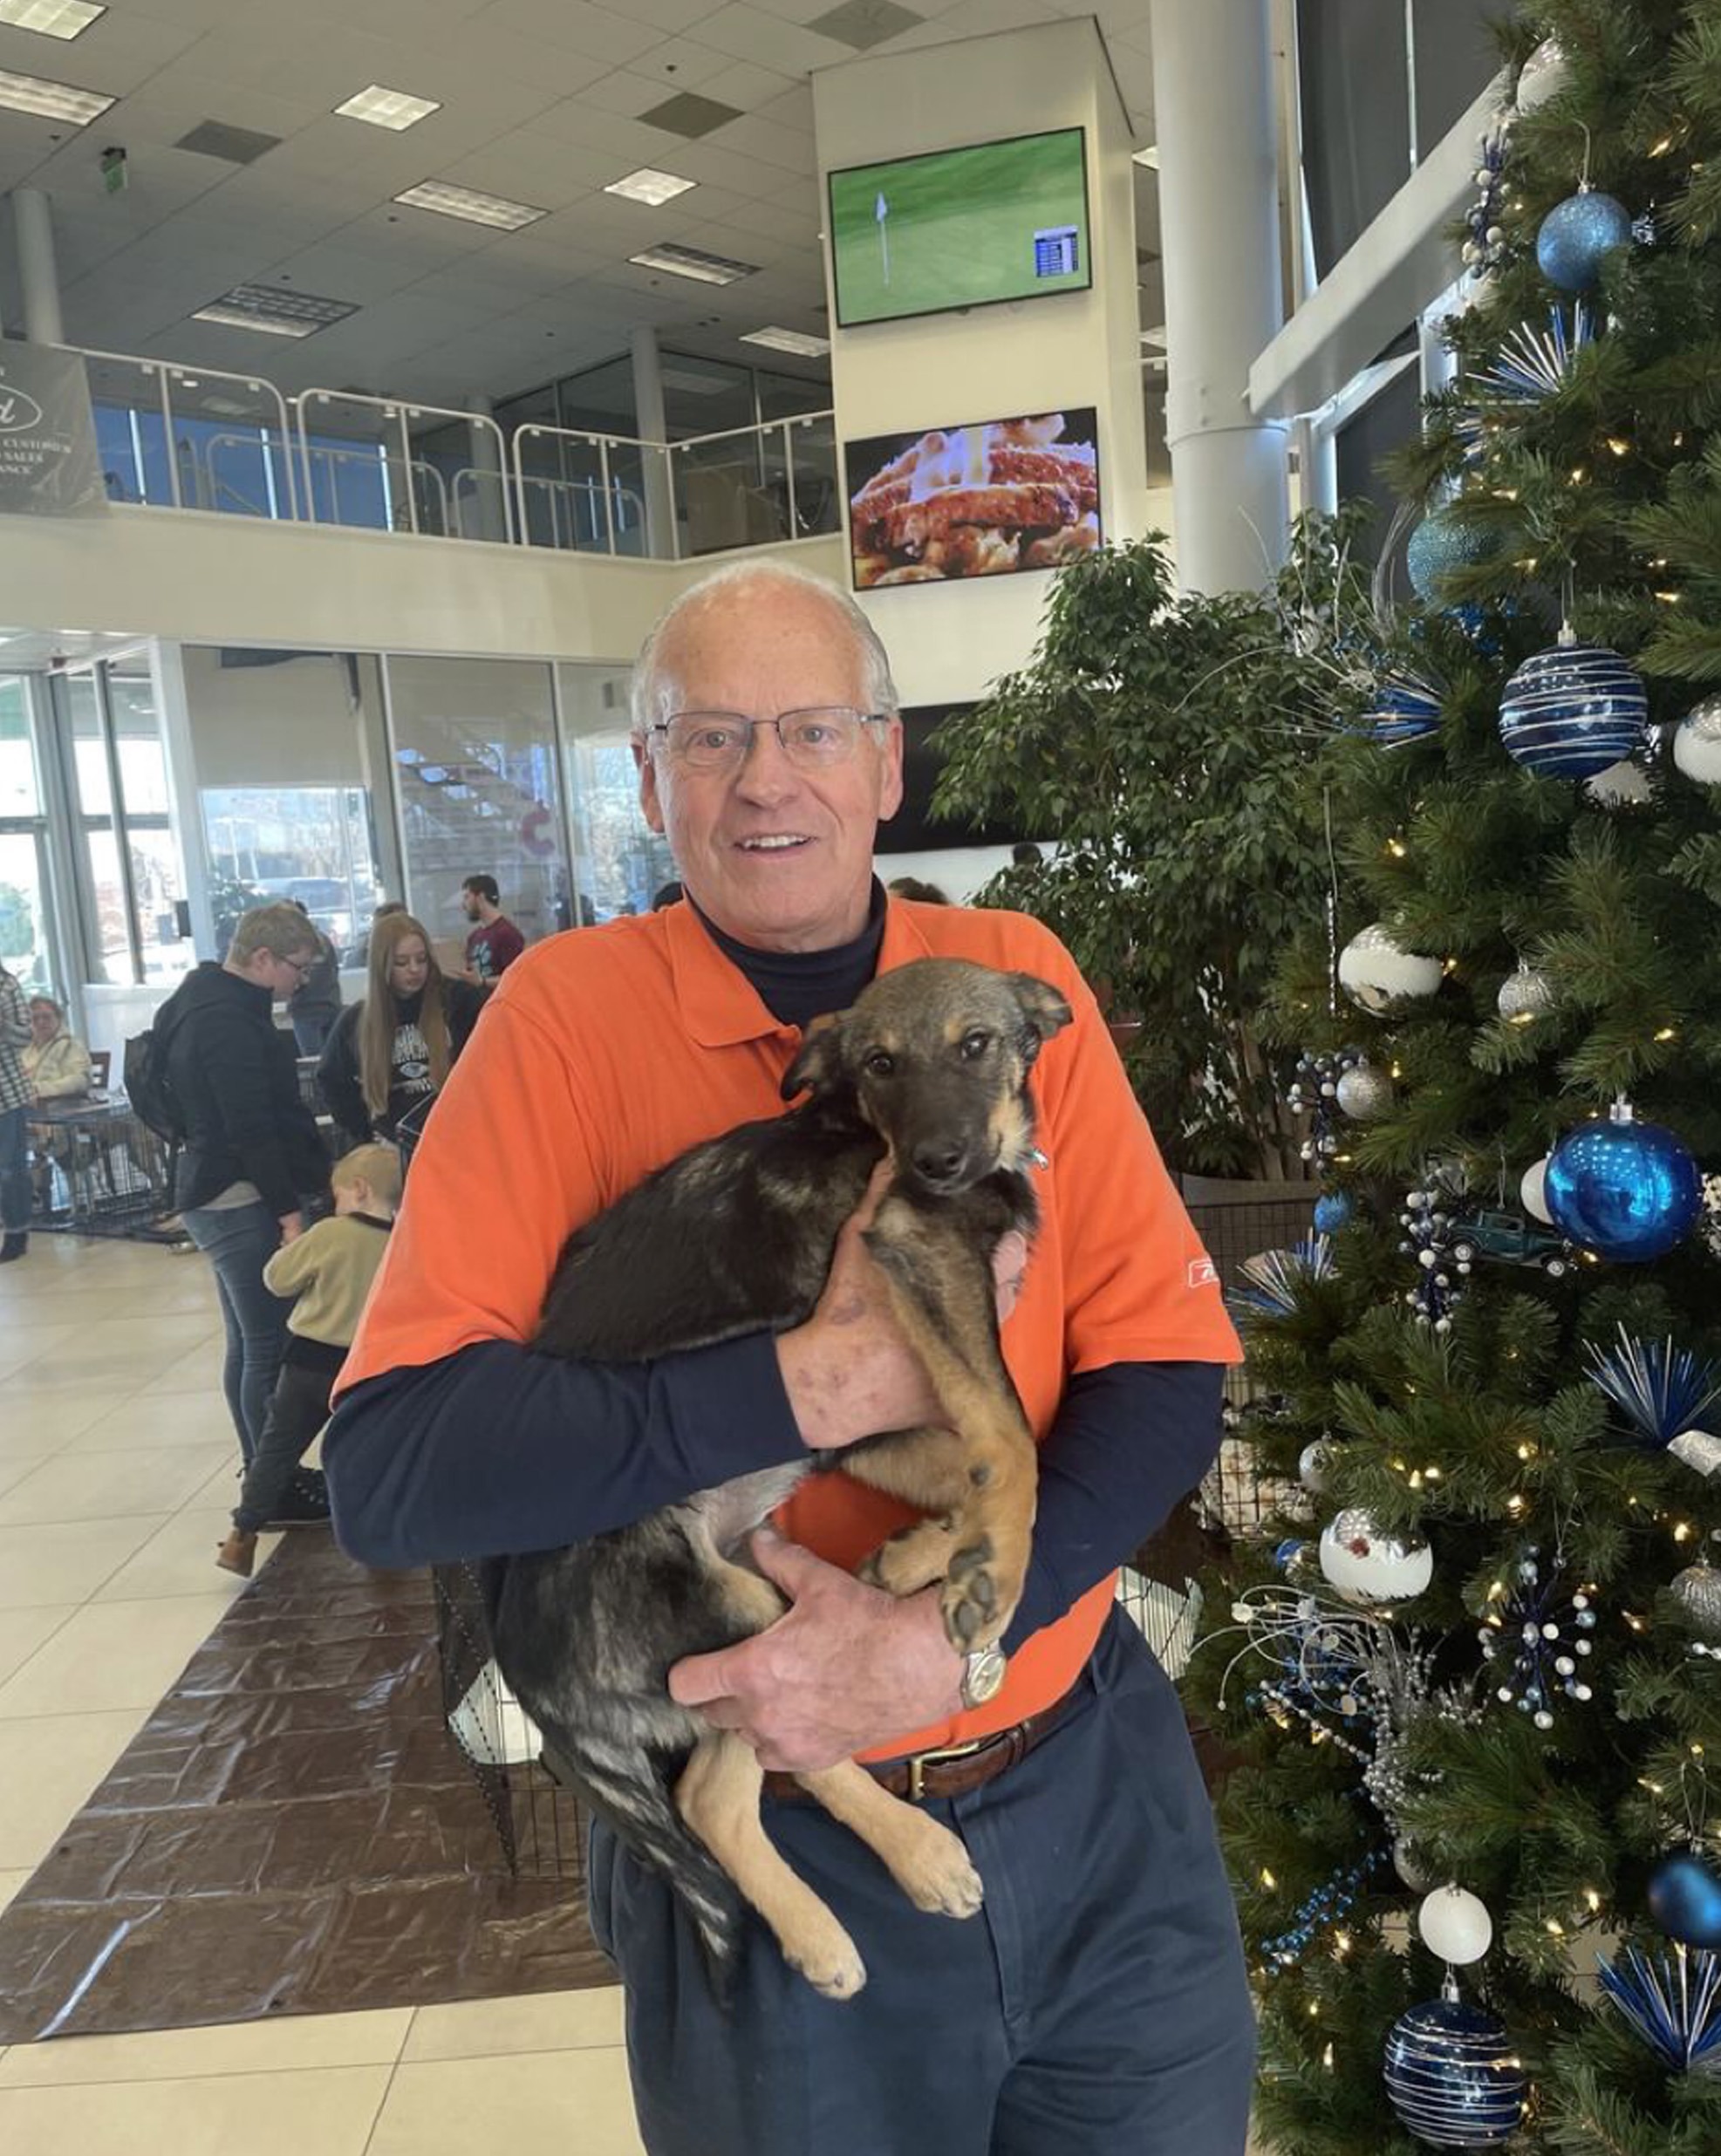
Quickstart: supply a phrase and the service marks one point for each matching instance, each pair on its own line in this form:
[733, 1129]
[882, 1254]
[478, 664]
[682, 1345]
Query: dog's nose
[938, 1160]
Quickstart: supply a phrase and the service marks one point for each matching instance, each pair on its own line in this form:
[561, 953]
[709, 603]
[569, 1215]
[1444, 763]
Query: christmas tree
[1476, 1690]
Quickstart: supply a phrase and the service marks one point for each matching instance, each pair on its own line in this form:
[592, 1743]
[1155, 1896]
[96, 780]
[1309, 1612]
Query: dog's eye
[974, 1044]
[880, 1065]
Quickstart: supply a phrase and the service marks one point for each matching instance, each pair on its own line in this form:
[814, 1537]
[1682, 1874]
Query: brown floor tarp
[292, 1831]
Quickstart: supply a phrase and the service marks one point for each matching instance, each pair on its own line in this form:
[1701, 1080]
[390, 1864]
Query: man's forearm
[1128, 1442]
[495, 1450]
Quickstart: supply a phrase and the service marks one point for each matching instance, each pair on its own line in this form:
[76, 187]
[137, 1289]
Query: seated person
[55, 1062]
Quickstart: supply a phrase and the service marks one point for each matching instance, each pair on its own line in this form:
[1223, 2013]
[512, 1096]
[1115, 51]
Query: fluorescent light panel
[64, 19]
[468, 204]
[53, 101]
[274, 312]
[693, 261]
[648, 186]
[394, 109]
[788, 340]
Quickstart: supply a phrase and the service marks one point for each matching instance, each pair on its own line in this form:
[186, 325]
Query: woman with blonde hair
[396, 1047]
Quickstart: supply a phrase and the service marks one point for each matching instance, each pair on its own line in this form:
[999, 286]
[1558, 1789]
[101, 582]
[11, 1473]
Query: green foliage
[17, 922]
[1490, 1439]
[1164, 743]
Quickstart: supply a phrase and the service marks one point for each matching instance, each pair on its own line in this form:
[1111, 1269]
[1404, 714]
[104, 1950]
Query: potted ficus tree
[1165, 744]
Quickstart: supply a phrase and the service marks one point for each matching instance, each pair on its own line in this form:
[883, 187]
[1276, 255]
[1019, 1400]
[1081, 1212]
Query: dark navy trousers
[1096, 2006]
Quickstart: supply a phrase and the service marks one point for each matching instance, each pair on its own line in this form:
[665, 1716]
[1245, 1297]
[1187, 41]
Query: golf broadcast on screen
[960, 227]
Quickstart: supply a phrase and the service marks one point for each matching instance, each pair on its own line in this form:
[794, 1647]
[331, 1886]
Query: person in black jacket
[395, 1048]
[252, 1155]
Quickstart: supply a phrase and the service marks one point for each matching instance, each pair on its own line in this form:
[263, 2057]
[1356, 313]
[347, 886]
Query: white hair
[651, 694]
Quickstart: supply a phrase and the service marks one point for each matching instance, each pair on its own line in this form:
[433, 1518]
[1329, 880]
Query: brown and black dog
[736, 1236]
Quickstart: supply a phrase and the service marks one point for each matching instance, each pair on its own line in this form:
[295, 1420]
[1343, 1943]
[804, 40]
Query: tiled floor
[116, 1474]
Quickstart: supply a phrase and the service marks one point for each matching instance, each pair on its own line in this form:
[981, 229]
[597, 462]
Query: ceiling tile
[865, 24]
[479, 53]
[783, 146]
[688, 114]
[793, 109]
[749, 87]
[767, 40]
[116, 54]
[574, 26]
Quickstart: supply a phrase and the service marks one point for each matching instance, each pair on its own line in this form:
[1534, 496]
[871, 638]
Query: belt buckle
[918, 1762]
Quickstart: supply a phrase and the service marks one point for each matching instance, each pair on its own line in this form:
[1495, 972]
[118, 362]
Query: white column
[651, 427]
[34, 215]
[1219, 235]
[487, 517]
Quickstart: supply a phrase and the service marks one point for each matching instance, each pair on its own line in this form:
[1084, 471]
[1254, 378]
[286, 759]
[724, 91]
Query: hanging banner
[48, 462]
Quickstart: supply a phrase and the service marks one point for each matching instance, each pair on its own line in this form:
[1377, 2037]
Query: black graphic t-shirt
[409, 1077]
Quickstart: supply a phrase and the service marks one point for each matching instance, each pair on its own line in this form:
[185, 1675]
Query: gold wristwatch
[982, 1673]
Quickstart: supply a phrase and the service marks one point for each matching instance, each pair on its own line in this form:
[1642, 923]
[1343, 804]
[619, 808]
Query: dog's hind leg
[717, 1797]
[926, 1861]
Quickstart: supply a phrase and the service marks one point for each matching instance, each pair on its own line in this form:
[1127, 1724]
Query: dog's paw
[973, 1613]
[937, 1876]
[829, 1961]
[912, 1557]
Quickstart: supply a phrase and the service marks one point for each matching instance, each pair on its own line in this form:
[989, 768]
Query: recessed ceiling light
[1149, 157]
[646, 186]
[788, 340]
[693, 261]
[388, 108]
[275, 313]
[468, 203]
[64, 19]
[53, 101]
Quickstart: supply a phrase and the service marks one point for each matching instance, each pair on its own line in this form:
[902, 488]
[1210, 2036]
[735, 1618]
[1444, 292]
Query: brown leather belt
[949, 1772]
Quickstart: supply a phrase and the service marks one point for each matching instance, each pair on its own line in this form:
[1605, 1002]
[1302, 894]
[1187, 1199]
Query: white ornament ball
[1623, 784]
[1314, 1467]
[1697, 1591]
[1525, 995]
[1377, 974]
[1455, 1926]
[1532, 1194]
[1696, 742]
[1365, 1564]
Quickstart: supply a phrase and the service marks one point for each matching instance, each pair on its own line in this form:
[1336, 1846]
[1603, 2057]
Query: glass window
[24, 927]
[703, 396]
[479, 784]
[783, 396]
[601, 399]
[622, 863]
[313, 843]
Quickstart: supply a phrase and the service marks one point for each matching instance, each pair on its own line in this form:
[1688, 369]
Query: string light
[1267, 1878]
[1593, 1900]
[1620, 448]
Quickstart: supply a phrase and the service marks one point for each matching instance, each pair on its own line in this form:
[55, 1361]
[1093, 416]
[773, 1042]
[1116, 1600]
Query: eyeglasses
[813, 739]
[301, 967]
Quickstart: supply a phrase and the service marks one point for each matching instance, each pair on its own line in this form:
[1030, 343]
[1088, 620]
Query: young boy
[330, 1268]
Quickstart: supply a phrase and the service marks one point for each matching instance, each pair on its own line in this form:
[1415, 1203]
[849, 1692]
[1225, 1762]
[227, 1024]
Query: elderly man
[1099, 2002]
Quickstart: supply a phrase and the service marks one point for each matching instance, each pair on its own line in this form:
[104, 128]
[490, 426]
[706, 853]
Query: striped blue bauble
[1571, 712]
[1453, 2077]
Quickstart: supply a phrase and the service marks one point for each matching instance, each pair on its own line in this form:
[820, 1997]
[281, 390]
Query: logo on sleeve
[1203, 1273]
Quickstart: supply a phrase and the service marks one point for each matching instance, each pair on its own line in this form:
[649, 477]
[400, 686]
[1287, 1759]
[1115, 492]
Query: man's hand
[292, 1226]
[845, 1667]
[848, 1371]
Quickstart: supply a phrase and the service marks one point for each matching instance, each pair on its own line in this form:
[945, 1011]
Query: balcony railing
[197, 438]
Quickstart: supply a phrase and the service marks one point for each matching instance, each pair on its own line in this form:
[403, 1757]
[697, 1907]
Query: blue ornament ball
[1403, 708]
[1628, 1191]
[1453, 2077]
[1331, 1212]
[1571, 712]
[1448, 540]
[1576, 234]
[1684, 1899]
[1289, 1552]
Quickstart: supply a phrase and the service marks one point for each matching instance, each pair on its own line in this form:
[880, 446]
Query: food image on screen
[978, 500]
[962, 227]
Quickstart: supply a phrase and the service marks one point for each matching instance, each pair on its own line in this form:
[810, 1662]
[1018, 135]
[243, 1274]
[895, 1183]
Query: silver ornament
[1365, 1564]
[1314, 1466]
[1697, 1591]
[1377, 974]
[1623, 784]
[1696, 742]
[1415, 1869]
[1365, 1094]
[1525, 995]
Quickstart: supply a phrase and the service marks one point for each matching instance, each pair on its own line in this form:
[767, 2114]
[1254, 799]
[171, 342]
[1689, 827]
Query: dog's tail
[640, 1809]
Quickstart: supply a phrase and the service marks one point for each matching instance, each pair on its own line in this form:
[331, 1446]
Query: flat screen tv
[966, 227]
[912, 829]
[984, 499]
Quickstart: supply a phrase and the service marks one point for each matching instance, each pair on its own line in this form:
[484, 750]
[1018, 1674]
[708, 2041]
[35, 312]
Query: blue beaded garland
[1576, 234]
[1453, 2075]
[1628, 1191]
[1684, 1898]
[1573, 712]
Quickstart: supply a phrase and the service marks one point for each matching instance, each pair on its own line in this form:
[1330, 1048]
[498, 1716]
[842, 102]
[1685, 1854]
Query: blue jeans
[1096, 2006]
[13, 1173]
[239, 1241]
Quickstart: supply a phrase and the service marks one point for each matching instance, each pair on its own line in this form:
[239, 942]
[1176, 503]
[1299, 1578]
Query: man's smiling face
[779, 857]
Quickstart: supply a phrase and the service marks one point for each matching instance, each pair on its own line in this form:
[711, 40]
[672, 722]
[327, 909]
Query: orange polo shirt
[607, 1051]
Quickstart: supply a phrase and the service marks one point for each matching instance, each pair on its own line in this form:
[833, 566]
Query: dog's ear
[1044, 1010]
[819, 1065]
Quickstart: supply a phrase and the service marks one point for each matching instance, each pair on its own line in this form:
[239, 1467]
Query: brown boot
[238, 1553]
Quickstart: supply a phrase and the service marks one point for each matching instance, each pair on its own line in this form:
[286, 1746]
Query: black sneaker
[306, 1504]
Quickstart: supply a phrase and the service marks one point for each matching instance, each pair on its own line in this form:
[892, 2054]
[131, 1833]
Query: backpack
[154, 1101]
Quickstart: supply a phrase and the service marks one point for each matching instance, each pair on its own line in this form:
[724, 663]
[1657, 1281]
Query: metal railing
[201, 437]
